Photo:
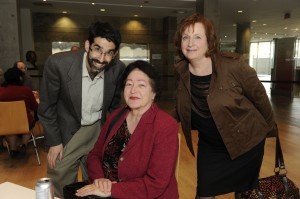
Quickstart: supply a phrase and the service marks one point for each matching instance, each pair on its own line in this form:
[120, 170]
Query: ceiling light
[64, 12]
[254, 21]
[135, 15]
[239, 11]
[93, 3]
[264, 24]
[102, 10]
[285, 28]
[44, 0]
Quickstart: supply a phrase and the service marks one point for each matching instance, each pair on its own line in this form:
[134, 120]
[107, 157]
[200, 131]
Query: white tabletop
[10, 190]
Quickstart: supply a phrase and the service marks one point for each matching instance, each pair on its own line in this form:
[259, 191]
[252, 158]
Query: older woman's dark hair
[12, 77]
[146, 68]
[210, 32]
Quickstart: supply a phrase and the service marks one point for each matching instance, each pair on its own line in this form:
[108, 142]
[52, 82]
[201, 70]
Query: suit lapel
[184, 73]
[108, 77]
[75, 83]
[145, 125]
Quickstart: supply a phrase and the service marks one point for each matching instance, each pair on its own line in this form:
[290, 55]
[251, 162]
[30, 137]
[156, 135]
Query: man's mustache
[99, 62]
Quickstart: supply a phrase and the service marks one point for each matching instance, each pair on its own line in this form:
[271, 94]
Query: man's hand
[54, 153]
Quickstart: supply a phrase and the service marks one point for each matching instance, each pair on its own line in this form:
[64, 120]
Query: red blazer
[146, 168]
[18, 93]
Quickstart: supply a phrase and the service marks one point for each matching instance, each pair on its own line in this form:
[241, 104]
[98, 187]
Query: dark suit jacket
[146, 167]
[60, 95]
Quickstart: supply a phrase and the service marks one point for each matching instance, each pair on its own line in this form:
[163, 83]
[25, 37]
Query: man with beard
[78, 90]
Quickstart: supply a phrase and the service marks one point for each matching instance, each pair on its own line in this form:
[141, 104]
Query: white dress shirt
[92, 96]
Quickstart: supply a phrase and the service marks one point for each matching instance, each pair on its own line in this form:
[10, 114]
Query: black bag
[70, 190]
[277, 186]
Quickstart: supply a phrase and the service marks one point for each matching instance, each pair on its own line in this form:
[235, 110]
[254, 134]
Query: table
[10, 190]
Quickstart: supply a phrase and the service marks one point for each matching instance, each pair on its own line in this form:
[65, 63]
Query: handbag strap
[113, 121]
[279, 162]
[279, 165]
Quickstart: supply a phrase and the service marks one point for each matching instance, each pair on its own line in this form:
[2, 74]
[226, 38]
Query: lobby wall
[157, 33]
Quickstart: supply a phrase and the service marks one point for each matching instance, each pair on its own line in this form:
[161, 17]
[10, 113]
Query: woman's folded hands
[100, 187]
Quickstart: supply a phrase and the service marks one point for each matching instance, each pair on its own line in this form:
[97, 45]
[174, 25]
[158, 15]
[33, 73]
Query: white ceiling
[269, 12]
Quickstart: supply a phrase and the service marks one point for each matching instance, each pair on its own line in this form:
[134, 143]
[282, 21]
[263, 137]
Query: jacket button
[121, 158]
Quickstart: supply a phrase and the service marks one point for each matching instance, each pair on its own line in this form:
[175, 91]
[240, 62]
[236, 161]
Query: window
[132, 52]
[262, 57]
[60, 46]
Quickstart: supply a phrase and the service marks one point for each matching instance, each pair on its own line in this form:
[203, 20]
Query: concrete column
[243, 39]
[9, 33]
[169, 85]
[211, 10]
[284, 66]
[26, 32]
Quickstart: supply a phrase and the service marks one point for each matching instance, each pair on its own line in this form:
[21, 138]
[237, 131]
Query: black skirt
[217, 174]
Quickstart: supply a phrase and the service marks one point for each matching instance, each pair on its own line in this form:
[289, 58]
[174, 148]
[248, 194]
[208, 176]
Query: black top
[216, 172]
[201, 117]
[113, 151]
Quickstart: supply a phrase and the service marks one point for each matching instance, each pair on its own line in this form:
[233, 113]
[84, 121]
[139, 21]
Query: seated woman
[13, 90]
[138, 157]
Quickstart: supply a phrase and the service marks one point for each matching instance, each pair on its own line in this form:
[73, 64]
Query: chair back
[178, 158]
[13, 118]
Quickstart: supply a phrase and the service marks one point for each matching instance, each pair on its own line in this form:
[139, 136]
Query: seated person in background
[137, 157]
[31, 60]
[27, 80]
[13, 90]
[75, 48]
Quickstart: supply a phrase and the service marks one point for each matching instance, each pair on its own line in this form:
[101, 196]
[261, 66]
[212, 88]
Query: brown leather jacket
[237, 100]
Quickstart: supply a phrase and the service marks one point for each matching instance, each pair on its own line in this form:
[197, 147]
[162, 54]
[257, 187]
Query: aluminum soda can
[44, 189]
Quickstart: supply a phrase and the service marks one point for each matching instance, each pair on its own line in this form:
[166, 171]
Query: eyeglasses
[187, 38]
[98, 50]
